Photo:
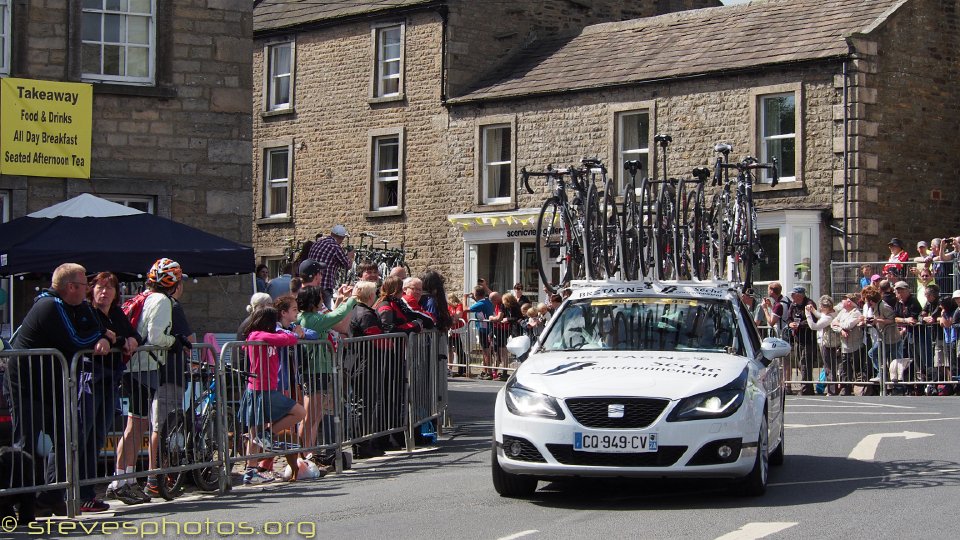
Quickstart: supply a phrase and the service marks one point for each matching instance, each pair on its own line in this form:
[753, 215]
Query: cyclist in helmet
[150, 399]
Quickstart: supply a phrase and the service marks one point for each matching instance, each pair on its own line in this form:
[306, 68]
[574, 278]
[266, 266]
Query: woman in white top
[828, 341]
[847, 325]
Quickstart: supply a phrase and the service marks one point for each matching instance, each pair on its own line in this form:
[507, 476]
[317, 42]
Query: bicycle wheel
[553, 245]
[593, 236]
[664, 230]
[742, 242]
[207, 449]
[701, 236]
[718, 235]
[647, 207]
[612, 229]
[683, 228]
[630, 235]
[173, 453]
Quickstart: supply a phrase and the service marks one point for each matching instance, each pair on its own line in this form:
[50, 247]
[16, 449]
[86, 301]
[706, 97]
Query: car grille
[528, 451]
[638, 412]
[665, 456]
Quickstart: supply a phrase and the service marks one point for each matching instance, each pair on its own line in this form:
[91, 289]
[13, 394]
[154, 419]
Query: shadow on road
[816, 480]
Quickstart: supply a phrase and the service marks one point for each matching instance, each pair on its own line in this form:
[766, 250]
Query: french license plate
[614, 442]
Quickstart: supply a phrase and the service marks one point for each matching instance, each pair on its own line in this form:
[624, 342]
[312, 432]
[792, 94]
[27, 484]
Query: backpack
[133, 307]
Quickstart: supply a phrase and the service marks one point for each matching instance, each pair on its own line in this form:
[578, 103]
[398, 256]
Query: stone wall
[908, 115]
[185, 142]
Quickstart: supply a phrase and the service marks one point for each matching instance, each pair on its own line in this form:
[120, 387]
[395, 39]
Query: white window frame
[758, 138]
[269, 184]
[380, 63]
[384, 176]
[486, 163]
[625, 154]
[151, 45]
[4, 206]
[5, 36]
[789, 223]
[132, 201]
[274, 74]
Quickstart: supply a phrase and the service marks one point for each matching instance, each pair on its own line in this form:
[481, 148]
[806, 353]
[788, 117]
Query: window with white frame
[388, 76]
[633, 144]
[5, 27]
[386, 173]
[4, 206]
[276, 182]
[143, 204]
[778, 133]
[119, 41]
[496, 163]
[279, 76]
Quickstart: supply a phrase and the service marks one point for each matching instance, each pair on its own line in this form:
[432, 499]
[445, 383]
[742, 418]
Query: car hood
[623, 373]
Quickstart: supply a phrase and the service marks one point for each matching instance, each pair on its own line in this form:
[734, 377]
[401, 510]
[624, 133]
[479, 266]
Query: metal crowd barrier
[96, 413]
[484, 349]
[920, 359]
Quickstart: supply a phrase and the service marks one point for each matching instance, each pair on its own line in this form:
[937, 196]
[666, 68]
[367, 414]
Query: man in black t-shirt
[802, 337]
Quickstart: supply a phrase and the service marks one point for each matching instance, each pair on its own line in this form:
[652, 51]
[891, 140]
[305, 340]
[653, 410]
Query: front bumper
[685, 449]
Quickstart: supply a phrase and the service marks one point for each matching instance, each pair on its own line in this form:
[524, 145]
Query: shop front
[500, 248]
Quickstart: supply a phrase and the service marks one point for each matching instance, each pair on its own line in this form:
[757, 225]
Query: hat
[895, 242]
[921, 244]
[310, 268]
[875, 277]
[339, 230]
[798, 290]
[956, 293]
[901, 285]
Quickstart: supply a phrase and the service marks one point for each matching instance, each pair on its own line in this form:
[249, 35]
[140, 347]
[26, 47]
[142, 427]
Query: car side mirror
[773, 348]
[518, 345]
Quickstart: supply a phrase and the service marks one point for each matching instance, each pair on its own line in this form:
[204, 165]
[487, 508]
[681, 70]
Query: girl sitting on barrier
[264, 409]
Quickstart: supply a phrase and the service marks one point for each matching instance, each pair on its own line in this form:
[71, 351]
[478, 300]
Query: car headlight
[523, 401]
[719, 403]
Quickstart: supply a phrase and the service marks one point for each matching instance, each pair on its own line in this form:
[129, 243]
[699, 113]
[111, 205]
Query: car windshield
[645, 324]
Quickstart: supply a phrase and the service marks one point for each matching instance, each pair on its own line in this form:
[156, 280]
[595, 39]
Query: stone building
[856, 98]
[171, 126]
[351, 125]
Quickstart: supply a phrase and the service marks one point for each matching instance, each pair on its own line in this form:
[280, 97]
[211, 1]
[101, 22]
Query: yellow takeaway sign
[45, 128]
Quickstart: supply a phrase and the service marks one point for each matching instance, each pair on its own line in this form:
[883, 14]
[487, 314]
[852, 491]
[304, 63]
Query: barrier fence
[163, 418]
[845, 276]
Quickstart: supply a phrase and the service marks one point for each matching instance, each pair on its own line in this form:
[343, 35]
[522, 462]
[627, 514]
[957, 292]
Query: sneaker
[125, 494]
[93, 505]
[152, 489]
[254, 477]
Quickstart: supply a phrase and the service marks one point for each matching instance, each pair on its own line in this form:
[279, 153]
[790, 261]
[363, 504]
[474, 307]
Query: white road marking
[751, 531]
[837, 404]
[862, 478]
[914, 421]
[866, 449]
[520, 534]
[871, 413]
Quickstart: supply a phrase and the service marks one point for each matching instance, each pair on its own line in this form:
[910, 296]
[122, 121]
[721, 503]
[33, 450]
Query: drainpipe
[846, 164]
[444, 11]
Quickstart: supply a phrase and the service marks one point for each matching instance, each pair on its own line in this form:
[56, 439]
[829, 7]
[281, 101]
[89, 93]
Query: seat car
[642, 380]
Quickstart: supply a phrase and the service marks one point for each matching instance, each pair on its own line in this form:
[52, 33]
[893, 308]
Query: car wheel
[510, 485]
[776, 457]
[755, 483]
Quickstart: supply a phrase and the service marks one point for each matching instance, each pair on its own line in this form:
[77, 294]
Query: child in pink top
[263, 408]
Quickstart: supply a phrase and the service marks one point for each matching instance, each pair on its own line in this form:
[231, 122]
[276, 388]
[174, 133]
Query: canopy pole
[10, 305]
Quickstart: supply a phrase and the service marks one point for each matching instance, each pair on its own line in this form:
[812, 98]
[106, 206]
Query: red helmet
[165, 272]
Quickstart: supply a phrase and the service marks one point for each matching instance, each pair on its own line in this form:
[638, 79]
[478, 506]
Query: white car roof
[717, 290]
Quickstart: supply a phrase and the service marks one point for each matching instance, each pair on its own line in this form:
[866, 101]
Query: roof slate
[684, 44]
[279, 14]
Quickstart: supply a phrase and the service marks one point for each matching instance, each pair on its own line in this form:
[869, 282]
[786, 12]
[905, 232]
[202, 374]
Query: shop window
[119, 41]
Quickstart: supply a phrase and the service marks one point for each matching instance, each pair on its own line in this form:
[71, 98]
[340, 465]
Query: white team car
[642, 380]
